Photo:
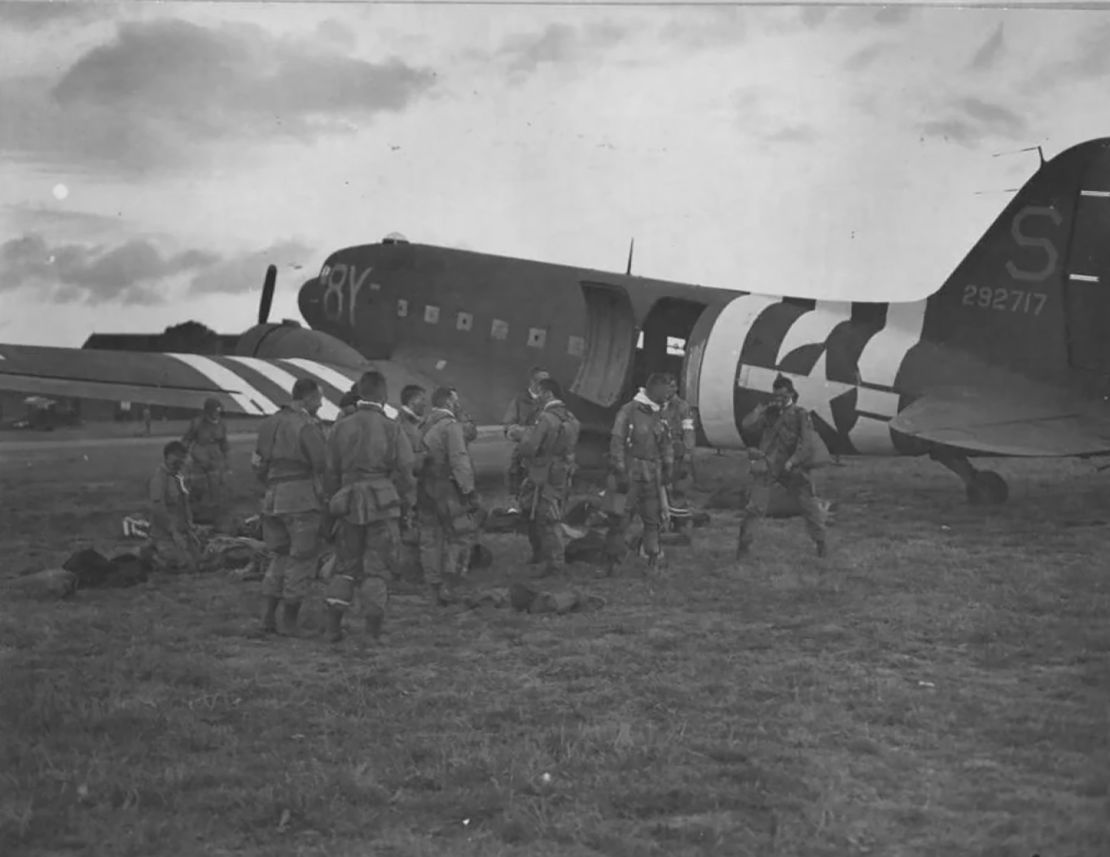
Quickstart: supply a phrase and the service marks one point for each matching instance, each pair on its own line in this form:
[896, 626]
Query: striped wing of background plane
[249, 386]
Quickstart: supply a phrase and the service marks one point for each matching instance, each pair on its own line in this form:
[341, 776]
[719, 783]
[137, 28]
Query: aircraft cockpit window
[402, 308]
[640, 341]
[676, 346]
[395, 238]
[464, 321]
[431, 314]
[537, 337]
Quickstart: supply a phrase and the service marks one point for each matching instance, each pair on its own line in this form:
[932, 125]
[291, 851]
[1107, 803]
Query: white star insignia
[815, 390]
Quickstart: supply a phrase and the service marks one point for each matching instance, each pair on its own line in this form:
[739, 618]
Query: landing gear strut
[983, 487]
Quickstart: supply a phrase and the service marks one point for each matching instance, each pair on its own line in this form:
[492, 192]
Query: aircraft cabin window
[465, 320]
[576, 346]
[676, 346]
[431, 314]
[537, 337]
[499, 329]
[402, 308]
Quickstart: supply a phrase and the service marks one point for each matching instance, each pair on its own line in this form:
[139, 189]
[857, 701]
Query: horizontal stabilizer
[1032, 423]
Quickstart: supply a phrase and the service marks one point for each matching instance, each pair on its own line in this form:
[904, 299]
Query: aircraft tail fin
[1026, 296]
[1027, 245]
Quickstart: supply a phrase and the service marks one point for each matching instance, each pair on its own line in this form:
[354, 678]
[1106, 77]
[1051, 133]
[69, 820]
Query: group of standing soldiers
[377, 486]
[383, 487]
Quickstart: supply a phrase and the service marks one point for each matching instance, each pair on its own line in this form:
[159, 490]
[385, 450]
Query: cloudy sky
[155, 157]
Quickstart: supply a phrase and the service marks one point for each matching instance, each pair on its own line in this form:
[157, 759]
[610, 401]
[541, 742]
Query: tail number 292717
[1006, 300]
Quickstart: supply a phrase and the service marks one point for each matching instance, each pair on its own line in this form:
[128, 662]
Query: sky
[155, 157]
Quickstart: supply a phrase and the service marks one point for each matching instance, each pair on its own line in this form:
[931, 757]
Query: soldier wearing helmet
[521, 416]
[206, 440]
[785, 455]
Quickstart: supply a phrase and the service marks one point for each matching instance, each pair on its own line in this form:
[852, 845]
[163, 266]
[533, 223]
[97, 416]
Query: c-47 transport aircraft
[1009, 357]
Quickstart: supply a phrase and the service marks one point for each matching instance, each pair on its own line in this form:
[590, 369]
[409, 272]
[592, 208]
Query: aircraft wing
[250, 386]
[1025, 425]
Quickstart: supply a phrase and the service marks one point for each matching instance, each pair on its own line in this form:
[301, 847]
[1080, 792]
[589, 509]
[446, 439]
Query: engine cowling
[282, 341]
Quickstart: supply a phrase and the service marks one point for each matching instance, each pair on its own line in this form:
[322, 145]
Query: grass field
[939, 686]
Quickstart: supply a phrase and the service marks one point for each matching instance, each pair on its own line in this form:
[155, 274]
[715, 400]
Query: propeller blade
[267, 294]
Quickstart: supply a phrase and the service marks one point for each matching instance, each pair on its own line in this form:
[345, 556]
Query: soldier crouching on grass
[174, 544]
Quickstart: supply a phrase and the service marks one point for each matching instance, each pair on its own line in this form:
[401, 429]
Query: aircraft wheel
[987, 488]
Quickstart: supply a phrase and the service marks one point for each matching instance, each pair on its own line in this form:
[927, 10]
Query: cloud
[43, 13]
[971, 119]
[813, 16]
[37, 217]
[891, 16]
[794, 133]
[989, 51]
[1089, 61]
[94, 274]
[146, 99]
[994, 118]
[757, 112]
[336, 33]
[244, 273]
[706, 26]
[884, 17]
[862, 58]
[957, 130]
[524, 53]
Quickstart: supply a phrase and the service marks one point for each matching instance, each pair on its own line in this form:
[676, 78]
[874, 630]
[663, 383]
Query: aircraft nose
[310, 300]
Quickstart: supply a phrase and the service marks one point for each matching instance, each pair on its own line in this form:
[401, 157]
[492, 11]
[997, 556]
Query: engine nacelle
[279, 341]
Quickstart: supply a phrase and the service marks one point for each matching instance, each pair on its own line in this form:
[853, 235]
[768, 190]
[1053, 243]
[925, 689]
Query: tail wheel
[987, 488]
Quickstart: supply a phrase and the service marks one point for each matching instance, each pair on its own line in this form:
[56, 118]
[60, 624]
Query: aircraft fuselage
[1025, 316]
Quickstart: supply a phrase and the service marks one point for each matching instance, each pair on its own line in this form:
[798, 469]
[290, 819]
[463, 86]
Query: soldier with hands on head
[785, 455]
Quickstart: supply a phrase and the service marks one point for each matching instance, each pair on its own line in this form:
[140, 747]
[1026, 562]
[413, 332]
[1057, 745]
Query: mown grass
[940, 685]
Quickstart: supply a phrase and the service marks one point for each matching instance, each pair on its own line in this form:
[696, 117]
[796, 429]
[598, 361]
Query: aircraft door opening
[1087, 289]
[664, 340]
[610, 339]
